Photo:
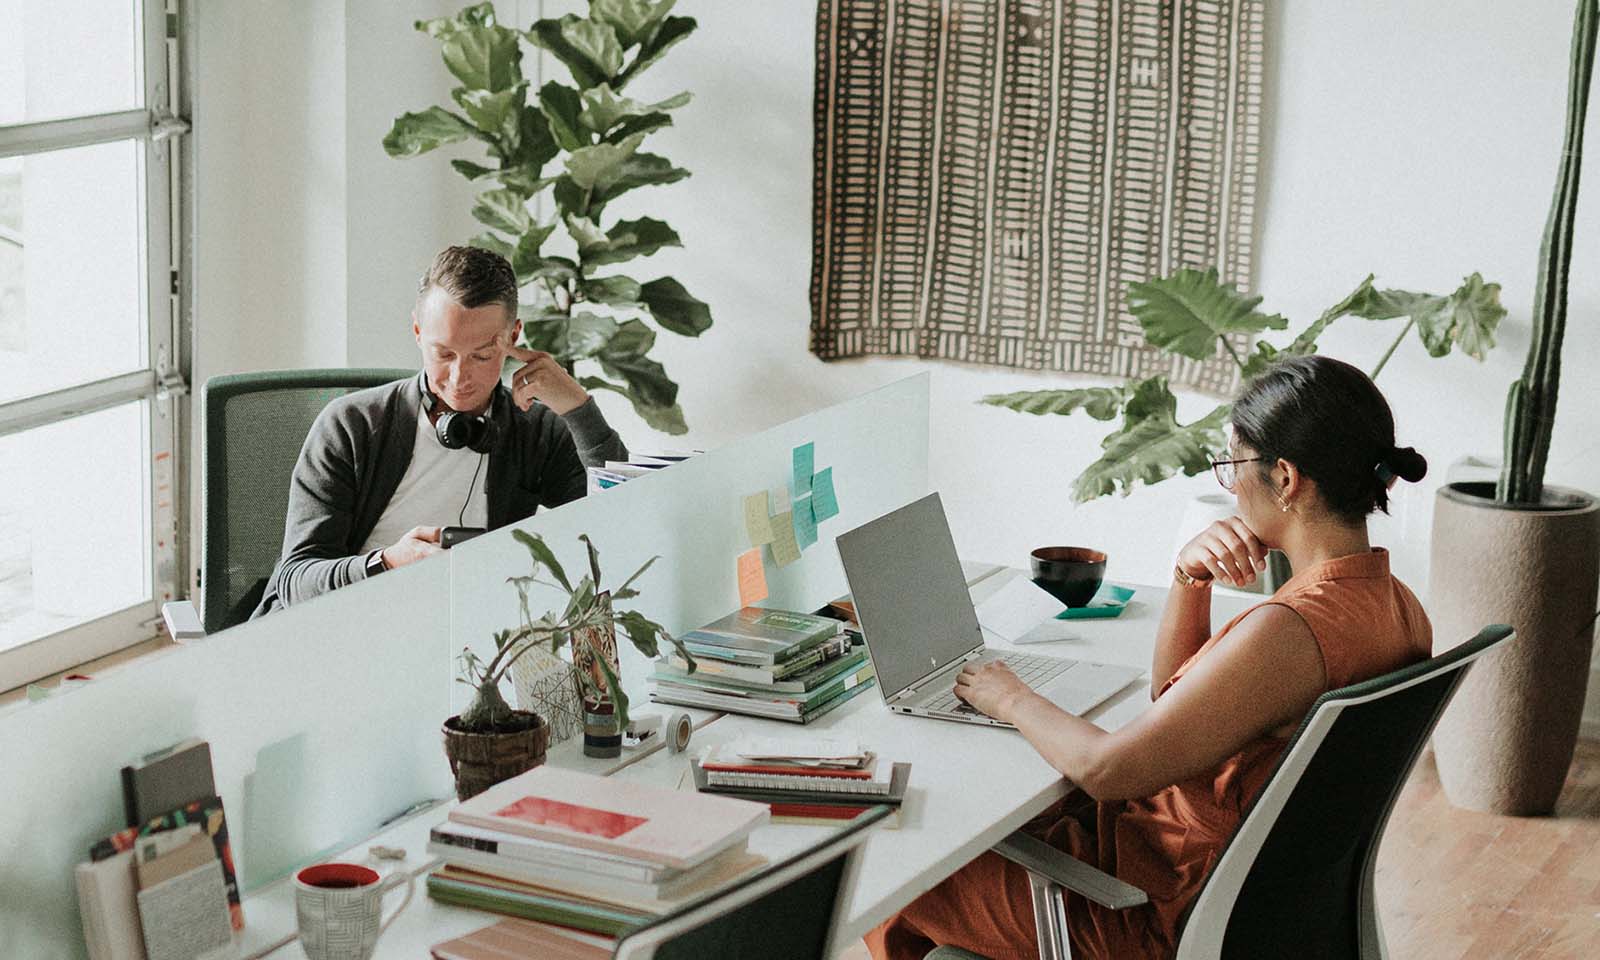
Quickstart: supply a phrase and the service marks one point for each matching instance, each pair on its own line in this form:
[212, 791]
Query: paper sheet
[824, 502]
[785, 549]
[804, 464]
[805, 525]
[752, 578]
[757, 520]
[1016, 608]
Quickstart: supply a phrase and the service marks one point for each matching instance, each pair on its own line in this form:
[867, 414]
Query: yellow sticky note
[752, 578]
[785, 549]
[756, 521]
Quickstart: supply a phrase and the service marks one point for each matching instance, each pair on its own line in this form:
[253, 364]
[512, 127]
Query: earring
[1283, 503]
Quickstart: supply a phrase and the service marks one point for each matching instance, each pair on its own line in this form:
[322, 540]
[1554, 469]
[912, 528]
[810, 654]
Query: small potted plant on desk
[489, 741]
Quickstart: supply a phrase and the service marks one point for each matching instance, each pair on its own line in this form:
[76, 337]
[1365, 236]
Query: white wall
[1412, 141]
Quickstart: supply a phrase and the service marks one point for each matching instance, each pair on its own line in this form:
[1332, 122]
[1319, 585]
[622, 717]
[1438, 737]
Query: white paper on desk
[835, 747]
[1017, 608]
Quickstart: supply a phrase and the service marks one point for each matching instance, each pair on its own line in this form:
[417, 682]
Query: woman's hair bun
[1407, 464]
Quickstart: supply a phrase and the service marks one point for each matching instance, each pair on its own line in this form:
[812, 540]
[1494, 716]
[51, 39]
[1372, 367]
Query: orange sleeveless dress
[1366, 623]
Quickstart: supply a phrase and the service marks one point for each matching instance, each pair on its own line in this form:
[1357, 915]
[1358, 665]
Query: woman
[1311, 454]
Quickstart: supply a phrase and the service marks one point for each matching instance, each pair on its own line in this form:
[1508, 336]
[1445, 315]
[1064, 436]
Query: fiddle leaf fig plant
[588, 612]
[580, 145]
[1194, 314]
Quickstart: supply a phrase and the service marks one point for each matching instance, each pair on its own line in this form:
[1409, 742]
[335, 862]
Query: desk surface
[970, 786]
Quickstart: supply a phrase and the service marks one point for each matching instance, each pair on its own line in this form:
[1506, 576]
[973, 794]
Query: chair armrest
[1043, 860]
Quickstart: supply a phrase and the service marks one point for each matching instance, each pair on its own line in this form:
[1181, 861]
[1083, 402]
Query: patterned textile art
[991, 174]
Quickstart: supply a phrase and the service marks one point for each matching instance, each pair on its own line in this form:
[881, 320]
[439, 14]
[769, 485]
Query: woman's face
[1258, 505]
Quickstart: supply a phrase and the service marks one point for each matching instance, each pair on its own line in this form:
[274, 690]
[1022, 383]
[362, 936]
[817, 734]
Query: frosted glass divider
[691, 514]
[323, 721]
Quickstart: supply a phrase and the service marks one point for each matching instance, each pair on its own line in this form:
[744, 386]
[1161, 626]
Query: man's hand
[991, 688]
[545, 380]
[419, 543]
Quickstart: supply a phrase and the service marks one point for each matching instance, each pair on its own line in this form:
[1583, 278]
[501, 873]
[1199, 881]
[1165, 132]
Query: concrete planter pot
[1505, 742]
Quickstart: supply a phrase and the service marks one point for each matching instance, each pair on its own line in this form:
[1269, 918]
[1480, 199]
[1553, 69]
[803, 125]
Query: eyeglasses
[1224, 469]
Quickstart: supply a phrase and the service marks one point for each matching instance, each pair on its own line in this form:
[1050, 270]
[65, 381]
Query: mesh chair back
[1295, 879]
[256, 424]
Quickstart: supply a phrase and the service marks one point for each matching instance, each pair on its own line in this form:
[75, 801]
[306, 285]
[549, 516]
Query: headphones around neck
[456, 430]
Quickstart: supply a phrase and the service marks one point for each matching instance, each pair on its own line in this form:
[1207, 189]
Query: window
[92, 332]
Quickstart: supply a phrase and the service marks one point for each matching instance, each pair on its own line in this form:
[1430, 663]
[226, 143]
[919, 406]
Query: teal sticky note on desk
[1109, 601]
[805, 523]
[805, 460]
[824, 502]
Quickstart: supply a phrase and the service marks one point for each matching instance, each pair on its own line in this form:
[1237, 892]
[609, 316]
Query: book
[708, 665]
[762, 636]
[894, 796]
[185, 916]
[754, 706]
[819, 781]
[166, 780]
[800, 702]
[213, 823]
[727, 758]
[502, 872]
[556, 855]
[799, 681]
[107, 902]
[625, 818]
[514, 937]
[831, 817]
[549, 908]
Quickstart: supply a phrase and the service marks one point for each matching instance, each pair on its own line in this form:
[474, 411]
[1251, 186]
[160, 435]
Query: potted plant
[489, 741]
[1523, 552]
[1193, 314]
[596, 133]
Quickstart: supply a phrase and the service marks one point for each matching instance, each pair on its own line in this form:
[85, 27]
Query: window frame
[165, 162]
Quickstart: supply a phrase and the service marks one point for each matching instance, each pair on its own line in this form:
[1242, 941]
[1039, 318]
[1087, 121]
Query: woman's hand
[991, 688]
[1227, 550]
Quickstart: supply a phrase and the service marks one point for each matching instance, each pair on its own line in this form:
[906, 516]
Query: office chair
[255, 426]
[788, 911]
[1296, 878]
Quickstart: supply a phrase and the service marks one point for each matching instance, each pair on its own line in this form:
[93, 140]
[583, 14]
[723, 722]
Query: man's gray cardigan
[358, 451]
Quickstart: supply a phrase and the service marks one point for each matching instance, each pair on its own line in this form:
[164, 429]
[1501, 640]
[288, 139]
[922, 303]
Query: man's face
[463, 350]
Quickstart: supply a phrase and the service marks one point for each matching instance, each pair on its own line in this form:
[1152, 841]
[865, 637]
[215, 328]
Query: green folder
[1109, 601]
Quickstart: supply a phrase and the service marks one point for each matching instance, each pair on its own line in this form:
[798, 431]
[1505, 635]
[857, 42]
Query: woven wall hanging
[991, 175]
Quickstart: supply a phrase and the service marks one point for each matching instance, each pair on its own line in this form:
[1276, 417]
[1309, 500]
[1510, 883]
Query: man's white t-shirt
[433, 490]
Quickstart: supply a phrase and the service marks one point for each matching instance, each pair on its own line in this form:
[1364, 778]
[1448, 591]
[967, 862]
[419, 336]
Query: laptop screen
[910, 595]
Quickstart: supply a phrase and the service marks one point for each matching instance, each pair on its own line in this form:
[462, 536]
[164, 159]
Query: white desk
[970, 786]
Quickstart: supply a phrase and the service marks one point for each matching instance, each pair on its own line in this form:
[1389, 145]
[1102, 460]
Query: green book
[808, 679]
[755, 635]
[590, 916]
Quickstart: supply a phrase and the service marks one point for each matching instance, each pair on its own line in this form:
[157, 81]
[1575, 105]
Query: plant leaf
[472, 171]
[477, 15]
[504, 210]
[417, 133]
[604, 109]
[1191, 311]
[645, 124]
[619, 699]
[638, 170]
[596, 42]
[598, 167]
[558, 269]
[494, 112]
[629, 239]
[616, 291]
[668, 33]
[535, 148]
[1265, 355]
[525, 259]
[633, 20]
[668, 419]
[1101, 403]
[642, 631]
[560, 105]
[586, 335]
[1466, 319]
[542, 555]
[1151, 445]
[594, 558]
[488, 241]
[586, 233]
[636, 575]
[674, 308]
[549, 35]
[484, 57]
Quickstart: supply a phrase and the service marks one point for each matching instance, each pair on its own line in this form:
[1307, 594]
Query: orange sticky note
[752, 578]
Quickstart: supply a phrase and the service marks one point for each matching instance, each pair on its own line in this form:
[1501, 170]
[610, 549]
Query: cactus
[1531, 403]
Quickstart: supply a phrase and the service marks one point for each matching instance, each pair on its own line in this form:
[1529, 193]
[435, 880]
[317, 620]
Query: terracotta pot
[481, 760]
[1505, 742]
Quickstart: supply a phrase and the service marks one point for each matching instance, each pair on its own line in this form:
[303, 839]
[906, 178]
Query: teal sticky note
[804, 462]
[824, 502]
[805, 523]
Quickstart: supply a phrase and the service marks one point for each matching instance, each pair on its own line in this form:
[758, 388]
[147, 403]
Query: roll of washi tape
[679, 729]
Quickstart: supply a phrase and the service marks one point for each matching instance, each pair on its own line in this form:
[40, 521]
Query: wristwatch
[374, 563]
[1184, 579]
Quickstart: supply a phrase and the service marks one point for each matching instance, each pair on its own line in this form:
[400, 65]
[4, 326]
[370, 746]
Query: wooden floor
[1457, 885]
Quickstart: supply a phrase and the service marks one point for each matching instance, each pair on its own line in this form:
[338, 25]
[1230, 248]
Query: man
[383, 470]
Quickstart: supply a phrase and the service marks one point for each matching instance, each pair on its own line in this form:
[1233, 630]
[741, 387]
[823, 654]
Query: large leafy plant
[588, 610]
[1193, 314]
[595, 132]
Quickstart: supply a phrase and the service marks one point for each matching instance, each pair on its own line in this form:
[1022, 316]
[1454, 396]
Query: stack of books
[617, 472]
[766, 663]
[588, 853]
[798, 785]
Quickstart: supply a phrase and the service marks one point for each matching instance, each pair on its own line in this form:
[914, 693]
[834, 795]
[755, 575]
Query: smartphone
[450, 536]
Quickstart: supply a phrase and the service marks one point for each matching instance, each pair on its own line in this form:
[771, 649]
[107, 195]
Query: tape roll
[679, 729]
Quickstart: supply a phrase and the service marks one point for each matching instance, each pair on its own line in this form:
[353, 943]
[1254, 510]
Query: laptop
[920, 627]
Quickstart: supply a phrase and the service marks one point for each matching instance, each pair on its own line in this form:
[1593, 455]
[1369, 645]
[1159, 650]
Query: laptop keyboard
[1031, 669]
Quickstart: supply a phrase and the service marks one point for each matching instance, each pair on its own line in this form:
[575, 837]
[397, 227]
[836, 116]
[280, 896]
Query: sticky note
[805, 523]
[756, 520]
[752, 578]
[785, 549]
[804, 463]
[824, 502]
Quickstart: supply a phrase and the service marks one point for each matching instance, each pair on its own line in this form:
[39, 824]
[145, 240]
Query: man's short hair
[472, 277]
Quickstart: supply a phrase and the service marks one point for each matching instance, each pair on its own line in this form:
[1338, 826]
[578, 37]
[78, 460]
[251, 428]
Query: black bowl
[1070, 574]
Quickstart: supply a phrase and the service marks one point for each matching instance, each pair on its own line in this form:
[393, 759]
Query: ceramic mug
[338, 909]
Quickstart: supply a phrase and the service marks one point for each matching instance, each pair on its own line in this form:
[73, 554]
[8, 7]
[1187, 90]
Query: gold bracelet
[1194, 583]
